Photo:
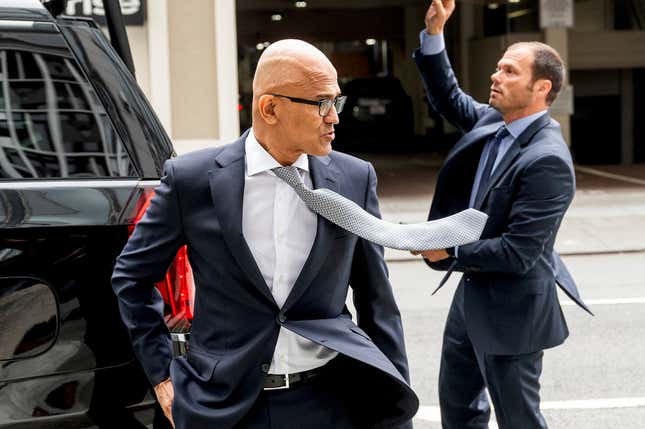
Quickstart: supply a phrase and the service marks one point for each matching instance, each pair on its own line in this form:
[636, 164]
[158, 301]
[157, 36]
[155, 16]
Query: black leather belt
[285, 381]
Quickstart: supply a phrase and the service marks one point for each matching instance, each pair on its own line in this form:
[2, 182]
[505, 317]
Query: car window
[132, 115]
[51, 122]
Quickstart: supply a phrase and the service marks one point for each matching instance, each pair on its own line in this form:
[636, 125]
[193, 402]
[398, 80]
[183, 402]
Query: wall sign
[556, 13]
[133, 10]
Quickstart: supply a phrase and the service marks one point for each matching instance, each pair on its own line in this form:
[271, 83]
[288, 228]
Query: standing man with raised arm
[513, 164]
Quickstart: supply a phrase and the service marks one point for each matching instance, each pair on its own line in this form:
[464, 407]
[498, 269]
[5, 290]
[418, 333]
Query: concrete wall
[138, 37]
[593, 15]
[606, 50]
[186, 62]
[192, 69]
[186, 59]
[591, 45]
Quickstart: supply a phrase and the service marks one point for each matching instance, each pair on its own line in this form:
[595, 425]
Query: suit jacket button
[282, 318]
[467, 279]
[265, 368]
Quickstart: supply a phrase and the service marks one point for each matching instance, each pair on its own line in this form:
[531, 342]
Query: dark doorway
[595, 130]
[639, 112]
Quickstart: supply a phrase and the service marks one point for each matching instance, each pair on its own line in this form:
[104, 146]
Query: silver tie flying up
[456, 230]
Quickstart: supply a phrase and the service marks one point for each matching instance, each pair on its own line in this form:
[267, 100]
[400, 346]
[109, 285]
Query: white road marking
[610, 301]
[432, 414]
[610, 175]
[594, 404]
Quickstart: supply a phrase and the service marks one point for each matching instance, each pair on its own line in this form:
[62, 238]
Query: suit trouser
[315, 404]
[513, 381]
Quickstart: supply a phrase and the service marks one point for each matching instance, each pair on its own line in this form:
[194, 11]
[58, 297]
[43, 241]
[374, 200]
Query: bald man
[272, 343]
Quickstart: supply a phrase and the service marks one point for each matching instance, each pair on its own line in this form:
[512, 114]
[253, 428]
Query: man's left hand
[433, 255]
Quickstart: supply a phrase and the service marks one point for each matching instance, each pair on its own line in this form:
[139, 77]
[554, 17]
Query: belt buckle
[286, 384]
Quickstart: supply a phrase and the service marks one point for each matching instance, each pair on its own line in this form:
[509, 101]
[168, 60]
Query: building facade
[195, 61]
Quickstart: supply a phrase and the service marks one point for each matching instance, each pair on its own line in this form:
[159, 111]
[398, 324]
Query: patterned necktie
[456, 230]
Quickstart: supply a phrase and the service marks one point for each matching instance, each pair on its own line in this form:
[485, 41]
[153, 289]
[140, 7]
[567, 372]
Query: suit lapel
[503, 165]
[510, 156]
[323, 176]
[476, 135]
[226, 181]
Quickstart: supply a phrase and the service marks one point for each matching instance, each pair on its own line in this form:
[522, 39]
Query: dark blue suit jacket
[236, 320]
[510, 301]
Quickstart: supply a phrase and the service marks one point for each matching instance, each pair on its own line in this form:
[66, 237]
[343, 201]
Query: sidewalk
[606, 216]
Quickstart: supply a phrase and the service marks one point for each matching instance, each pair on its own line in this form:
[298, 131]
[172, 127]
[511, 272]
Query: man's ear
[267, 109]
[543, 87]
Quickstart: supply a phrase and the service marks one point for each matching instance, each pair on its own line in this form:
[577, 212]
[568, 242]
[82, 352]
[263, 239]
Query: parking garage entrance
[370, 42]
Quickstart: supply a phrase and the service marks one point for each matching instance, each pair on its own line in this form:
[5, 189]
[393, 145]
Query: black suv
[81, 152]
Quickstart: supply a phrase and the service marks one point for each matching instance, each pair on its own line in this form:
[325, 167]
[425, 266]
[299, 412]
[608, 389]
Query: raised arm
[437, 75]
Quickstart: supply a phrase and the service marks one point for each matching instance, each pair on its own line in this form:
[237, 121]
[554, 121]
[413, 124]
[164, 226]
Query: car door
[71, 184]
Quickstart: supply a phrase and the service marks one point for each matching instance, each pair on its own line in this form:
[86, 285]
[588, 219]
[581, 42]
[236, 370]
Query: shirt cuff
[431, 44]
[455, 251]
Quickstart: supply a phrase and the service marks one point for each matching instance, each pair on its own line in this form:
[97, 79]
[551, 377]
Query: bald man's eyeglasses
[324, 106]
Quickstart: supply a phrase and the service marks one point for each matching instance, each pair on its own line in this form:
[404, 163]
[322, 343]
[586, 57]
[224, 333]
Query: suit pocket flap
[201, 364]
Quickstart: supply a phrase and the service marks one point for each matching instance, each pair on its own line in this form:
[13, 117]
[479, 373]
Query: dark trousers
[318, 403]
[513, 381]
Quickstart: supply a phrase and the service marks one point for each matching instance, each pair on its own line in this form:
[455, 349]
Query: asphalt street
[596, 380]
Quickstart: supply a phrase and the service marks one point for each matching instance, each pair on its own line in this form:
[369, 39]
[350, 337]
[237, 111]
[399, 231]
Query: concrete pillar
[409, 75]
[558, 38]
[139, 45]
[199, 85]
[627, 116]
[228, 116]
[159, 62]
[466, 33]
[193, 88]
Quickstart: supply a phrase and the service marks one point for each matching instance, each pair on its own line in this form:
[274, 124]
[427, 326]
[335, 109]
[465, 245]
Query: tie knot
[289, 174]
[501, 133]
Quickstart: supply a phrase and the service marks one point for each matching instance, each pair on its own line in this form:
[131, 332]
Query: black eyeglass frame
[338, 103]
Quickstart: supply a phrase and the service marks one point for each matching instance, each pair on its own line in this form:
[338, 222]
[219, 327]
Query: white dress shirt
[280, 231]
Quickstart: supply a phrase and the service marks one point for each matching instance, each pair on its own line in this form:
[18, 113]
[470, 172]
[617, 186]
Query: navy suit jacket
[236, 320]
[510, 300]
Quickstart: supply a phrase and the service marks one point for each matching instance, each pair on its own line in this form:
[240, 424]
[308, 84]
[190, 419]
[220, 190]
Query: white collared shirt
[280, 231]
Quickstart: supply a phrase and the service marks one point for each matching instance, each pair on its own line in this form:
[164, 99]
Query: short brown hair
[547, 64]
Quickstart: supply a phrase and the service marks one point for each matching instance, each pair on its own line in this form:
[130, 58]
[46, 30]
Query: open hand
[165, 395]
[437, 15]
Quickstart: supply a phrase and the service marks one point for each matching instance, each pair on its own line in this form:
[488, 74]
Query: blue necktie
[493, 151]
[490, 161]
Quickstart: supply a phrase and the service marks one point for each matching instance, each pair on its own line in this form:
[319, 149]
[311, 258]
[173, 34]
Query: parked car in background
[81, 152]
[377, 115]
